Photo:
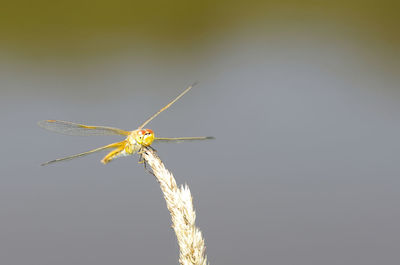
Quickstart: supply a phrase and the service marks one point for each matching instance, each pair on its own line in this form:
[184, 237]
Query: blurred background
[302, 97]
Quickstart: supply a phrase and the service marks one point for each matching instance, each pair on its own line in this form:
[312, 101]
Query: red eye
[148, 132]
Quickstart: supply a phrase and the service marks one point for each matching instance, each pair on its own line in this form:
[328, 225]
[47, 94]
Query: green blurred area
[76, 26]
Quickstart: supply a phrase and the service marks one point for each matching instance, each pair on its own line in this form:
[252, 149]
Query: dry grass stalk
[180, 205]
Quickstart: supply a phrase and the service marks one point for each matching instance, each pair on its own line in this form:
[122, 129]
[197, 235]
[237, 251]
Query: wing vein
[71, 128]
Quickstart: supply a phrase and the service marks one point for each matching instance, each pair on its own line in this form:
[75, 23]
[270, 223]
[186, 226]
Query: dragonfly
[135, 140]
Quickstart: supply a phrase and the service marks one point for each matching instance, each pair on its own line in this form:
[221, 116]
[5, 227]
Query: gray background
[304, 169]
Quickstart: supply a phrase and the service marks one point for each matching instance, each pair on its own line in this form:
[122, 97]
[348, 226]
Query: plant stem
[180, 205]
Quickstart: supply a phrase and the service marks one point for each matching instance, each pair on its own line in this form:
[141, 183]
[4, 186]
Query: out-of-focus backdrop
[302, 96]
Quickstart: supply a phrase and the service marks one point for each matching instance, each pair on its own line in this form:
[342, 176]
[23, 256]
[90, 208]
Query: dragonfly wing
[113, 145]
[182, 139]
[70, 128]
[166, 106]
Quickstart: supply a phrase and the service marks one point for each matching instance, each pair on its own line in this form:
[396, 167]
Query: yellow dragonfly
[132, 144]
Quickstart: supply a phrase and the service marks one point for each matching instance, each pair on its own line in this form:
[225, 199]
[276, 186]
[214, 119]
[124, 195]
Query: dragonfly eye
[148, 137]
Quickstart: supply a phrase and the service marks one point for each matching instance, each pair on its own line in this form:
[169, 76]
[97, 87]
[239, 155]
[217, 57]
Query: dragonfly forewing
[71, 128]
[182, 139]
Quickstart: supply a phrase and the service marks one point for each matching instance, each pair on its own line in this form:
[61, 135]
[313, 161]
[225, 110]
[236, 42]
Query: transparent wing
[182, 139]
[70, 128]
[166, 106]
[113, 145]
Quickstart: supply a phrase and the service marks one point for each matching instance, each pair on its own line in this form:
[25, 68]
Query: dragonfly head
[145, 137]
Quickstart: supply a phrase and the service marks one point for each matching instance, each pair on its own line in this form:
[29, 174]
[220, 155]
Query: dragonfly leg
[140, 153]
[142, 160]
